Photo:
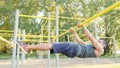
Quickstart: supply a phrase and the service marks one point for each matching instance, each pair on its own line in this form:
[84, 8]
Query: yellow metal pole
[95, 16]
[2, 39]
[36, 17]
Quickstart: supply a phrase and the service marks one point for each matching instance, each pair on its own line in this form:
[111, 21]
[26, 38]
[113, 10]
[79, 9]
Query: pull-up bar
[95, 16]
[36, 17]
[2, 39]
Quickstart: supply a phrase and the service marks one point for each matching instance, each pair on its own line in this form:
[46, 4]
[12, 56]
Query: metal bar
[15, 38]
[116, 59]
[48, 40]
[23, 54]
[57, 33]
[95, 16]
[18, 52]
[96, 35]
[37, 17]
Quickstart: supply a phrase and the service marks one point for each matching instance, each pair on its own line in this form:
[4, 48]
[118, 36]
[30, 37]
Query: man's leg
[42, 47]
[68, 49]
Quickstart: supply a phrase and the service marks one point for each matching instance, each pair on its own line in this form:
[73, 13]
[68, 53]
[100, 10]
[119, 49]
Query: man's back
[87, 50]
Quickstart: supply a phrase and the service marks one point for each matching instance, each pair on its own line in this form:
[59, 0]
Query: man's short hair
[105, 42]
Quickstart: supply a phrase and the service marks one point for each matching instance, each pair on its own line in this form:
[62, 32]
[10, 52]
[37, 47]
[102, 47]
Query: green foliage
[5, 48]
[5, 56]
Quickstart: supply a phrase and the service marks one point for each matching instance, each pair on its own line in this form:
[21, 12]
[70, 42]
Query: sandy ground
[43, 63]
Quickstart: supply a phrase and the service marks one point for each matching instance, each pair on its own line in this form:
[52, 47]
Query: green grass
[5, 56]
[33, 55]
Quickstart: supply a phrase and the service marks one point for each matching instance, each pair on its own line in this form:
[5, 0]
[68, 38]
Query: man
[79, 49]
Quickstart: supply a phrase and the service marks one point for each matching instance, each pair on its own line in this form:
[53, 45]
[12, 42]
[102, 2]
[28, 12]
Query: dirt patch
[63, 62]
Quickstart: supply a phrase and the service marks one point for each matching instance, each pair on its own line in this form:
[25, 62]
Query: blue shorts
[66, 48]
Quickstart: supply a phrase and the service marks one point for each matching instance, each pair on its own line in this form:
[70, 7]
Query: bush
[5, 48]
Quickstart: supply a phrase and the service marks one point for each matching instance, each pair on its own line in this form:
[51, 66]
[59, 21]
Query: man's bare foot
[23, 46]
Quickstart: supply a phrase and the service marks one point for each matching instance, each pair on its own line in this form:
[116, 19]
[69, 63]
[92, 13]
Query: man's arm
[77, 38]
[93, 40]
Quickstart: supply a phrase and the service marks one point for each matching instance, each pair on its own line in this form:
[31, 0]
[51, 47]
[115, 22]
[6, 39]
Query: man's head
[103, 42]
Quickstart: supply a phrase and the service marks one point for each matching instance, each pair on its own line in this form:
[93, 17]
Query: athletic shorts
[67, 48]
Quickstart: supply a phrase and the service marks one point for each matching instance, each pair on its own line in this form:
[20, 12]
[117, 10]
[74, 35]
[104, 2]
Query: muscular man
[79, 49]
